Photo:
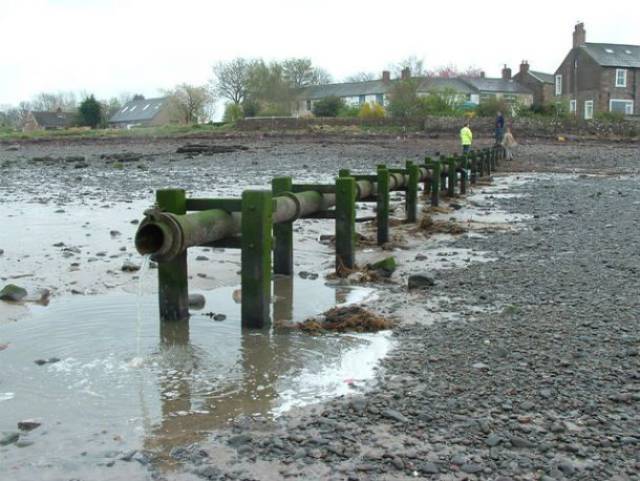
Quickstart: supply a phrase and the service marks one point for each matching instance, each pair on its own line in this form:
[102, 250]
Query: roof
[495, 85]
[138, 110]
[613, 55]
[347, 89]
[430, 84]
[54, 120]
[547, 78]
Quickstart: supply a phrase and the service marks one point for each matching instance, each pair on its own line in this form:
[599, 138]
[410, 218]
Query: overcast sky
[107, 47]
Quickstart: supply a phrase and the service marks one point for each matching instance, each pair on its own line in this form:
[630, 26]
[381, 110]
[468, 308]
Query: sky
[109, 47]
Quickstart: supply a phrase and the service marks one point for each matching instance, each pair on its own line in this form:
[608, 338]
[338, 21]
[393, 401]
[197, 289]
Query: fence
[260, 223]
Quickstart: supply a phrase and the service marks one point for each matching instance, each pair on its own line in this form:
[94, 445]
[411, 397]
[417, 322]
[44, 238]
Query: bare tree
[452, 71]
[361, 77]
[48, 102]
[189, 103]
[230, 79]
[413, 63]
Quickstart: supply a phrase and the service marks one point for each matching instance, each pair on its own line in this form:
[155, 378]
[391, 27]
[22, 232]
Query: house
[504, 88]
[541, 84]
[142, 113]
[48, 120]
[599, 77]
[466, 90]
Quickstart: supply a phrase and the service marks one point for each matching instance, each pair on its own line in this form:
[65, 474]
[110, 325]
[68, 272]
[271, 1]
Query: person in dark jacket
[499, 127]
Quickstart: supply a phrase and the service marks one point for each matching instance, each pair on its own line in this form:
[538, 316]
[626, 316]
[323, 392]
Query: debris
[209, 149]
[427, 224]
[129, 266]
[29, 424]
[348, 318]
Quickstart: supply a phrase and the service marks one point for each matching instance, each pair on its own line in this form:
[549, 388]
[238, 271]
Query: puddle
[193, 379]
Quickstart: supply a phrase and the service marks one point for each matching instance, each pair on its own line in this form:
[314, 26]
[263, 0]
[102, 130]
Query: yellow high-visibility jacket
[466, 137]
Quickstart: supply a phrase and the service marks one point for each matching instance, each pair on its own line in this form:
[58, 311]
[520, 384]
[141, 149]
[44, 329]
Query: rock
[421, 257]
[196, 301]
[308, 275]
[395, 415]
[202, 258]
[40, 362]
[239, 440]
[114, 233]
[385, 267]
[12, 293]
[493, 440]
[471, 468]
[1, 251]
[519, 442]
[41, 296]
[481, 366]
[429, 468]
[8, 438]
[219, 317]
[129, 266]
[29, 424]
[420, 281]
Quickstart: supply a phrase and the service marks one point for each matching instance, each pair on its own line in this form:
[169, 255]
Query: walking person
[466, 138]
[499, 127]
[508, 143]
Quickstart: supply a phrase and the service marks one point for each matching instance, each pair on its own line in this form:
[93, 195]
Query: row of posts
[260, 237]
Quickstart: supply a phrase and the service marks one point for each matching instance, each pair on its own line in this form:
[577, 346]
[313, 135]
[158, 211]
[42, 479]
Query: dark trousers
[466, 149]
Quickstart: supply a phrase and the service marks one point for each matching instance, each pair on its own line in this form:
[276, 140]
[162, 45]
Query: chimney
[579, 35]
[524, 67]
[405, 74]
[482, 74]
[386, 76]
[506, 73]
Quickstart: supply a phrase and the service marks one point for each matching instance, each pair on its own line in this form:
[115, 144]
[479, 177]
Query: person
[499, 127]
[466, 138]
[508, 143]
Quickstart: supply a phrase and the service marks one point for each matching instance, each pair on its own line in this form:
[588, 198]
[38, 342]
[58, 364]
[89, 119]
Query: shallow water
[195, 377]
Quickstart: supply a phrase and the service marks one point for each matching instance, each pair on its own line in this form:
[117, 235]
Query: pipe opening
[149, 239]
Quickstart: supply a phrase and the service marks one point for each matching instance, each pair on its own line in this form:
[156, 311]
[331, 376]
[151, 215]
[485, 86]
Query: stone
[29, 424]
[129, 266]
[8, 438]
[202, 258]
[239, 440]
[196, 301]
[429, 468]
[493, 440]
[385, 267]
[471, 468]
[395, 415]
[420, 281]
[13, 293]
[219, 317]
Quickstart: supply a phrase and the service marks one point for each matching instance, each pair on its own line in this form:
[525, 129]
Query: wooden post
[282, 233]
[474, 168]
[256, 225]
[426, 185]
[451, 176]
[463, 164]
[345, 224]
[173, 279]
[435, 183]
[481, 162]
[411, 193]
[382, 205]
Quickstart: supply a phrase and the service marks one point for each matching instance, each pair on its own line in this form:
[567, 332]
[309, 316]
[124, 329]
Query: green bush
[349, 111]
[250, 107]
[328, 107]
[233, 112]
[371, 111]
[491, 107]
[610, 116]
[440, 102]
[90, 112]
[404, 102]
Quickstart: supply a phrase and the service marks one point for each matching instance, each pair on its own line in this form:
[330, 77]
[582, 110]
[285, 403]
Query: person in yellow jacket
[466, 137]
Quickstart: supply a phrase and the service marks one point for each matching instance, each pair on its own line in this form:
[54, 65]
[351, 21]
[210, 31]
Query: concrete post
[173, 279]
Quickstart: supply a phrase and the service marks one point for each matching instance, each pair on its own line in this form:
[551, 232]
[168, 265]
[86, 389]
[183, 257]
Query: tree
[232, 112]
[403, 99]
[413, 63]
[452, 71]
[300, 72]
[90, 112]
[189, 103]
[230, 79]
[49, 102]
[440, 102]
[361, 77]
[328, 107]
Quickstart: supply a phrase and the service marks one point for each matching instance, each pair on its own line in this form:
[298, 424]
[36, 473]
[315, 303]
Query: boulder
[13, 293]
[420, 281]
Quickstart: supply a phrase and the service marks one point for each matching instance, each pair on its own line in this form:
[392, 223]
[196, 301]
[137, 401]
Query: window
[133, 108]
[309, 105]
[572, 106]
[380, 99]
[608, 50]
[621, 77]
[146, 107]
[588, 109]
[558, 84]
[621, 106]
[125, 109]
[362, 99]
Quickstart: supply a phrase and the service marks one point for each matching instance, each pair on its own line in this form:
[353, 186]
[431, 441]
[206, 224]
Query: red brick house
[599, 77]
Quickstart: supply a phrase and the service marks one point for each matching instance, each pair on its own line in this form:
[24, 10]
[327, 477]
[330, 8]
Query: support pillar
[463, 166]
[426, 185]
[382, 205]
[173, 283]
[435, 183]
[282, 233]
[345, 224]
[411, 196]
[256, 225]
[451, 176]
